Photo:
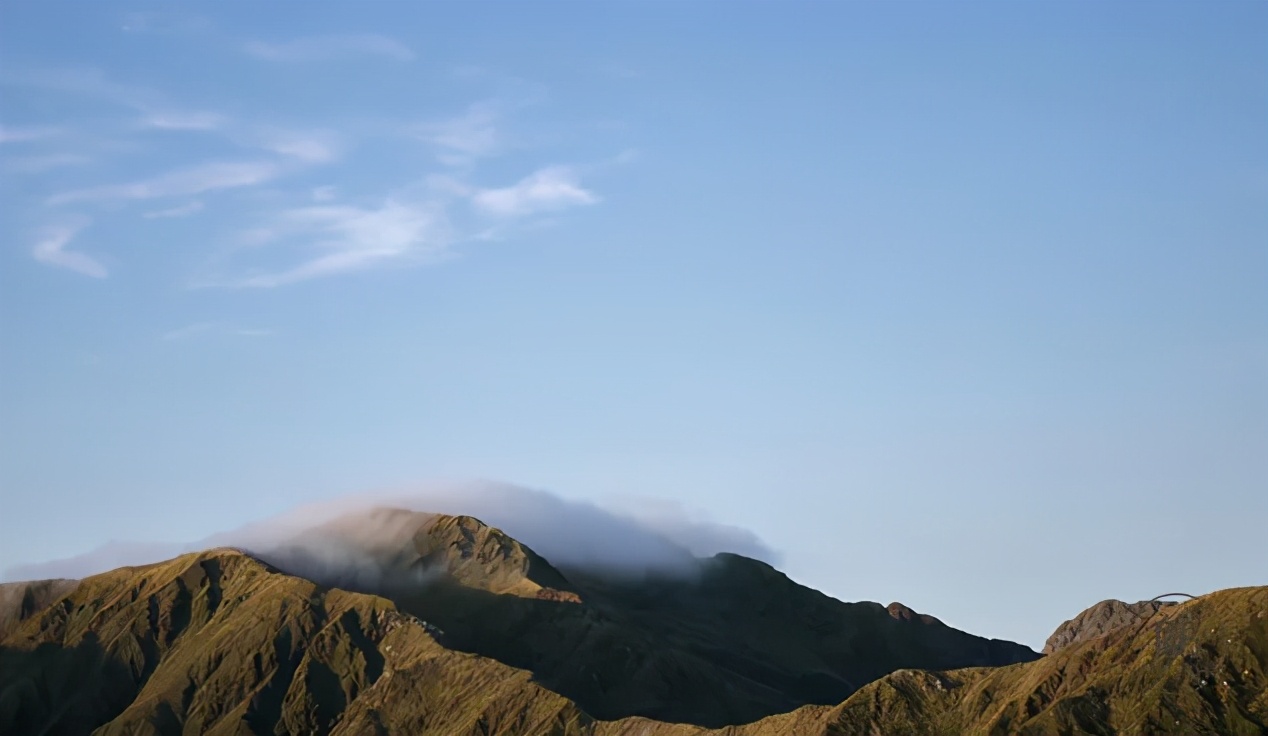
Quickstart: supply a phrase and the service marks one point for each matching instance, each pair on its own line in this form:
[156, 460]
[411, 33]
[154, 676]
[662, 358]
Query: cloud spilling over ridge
[568, 533]
[368, 550]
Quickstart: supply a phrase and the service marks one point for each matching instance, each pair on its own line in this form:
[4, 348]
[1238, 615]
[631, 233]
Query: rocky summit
[396, 622]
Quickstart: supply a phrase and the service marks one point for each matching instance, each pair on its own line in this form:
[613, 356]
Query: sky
[960, 305]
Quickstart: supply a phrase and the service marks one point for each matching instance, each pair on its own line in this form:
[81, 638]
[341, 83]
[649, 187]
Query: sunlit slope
[1196, 668]
[219, 643]
[491, 639]
[1099, 620]
[390, 549]
[223, 640]
[19, 601]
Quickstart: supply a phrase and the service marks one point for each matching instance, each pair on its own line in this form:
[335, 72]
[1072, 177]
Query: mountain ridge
[227, 641]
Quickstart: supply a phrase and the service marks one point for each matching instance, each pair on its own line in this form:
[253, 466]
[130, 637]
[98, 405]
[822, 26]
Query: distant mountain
[407, 623]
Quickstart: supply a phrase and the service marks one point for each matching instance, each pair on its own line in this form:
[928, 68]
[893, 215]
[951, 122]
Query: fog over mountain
[565, 531]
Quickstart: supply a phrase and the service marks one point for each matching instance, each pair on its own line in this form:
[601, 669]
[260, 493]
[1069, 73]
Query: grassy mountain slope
[221, 642]
[1099, 620]
[727, 640]
[19, 601]
[1196, 668]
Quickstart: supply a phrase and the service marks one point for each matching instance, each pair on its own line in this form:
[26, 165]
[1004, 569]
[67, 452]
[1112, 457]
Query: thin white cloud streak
[314, 147]
[461, 139]
[51, 250]
[89, 83]
[24, 135]
[202, 328]
[353, 239]
[183, 210]
[164, 23]
[183, 183]
[192, 121]
[323, 48]
[549, 189]
[181, 333]
[38, 164]
[156, 113]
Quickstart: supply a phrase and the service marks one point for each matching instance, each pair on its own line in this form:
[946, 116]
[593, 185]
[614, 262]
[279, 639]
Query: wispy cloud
[88, 82]
[51, 249]
[198, 121]
[353, 239]
[321, 48]
[324, 193]
[21, 135]
[183, 210]
[204, 328]
[164, 23]
[37, 164]
[314, 147]
[549, 189]
[183, 183]
[180, 333]
[156, 110]
[460, 139]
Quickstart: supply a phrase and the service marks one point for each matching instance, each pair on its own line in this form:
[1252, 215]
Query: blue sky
[962, 305]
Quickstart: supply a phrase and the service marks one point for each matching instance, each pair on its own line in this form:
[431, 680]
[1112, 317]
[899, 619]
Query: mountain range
[399, 622]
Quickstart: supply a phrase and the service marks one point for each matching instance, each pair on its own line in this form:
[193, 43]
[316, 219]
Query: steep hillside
[220, 643]
[388, 549]
[19, 601]
[473, 633]
[727, 640]
[1196, 668]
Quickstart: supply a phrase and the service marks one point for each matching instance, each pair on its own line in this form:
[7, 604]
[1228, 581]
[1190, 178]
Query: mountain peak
[475, 554]
[384, 549]
[1100, 620]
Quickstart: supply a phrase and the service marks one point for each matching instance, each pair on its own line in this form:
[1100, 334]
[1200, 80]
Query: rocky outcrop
[1100, 620]
[19, 601]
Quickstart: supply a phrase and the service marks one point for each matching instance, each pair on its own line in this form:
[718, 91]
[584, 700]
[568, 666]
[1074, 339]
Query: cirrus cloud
[322, 48]
[548, 189]
[51, 249]
[182, 183]
[351, 239]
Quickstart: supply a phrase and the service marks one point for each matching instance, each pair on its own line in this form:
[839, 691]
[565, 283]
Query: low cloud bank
[344, 540]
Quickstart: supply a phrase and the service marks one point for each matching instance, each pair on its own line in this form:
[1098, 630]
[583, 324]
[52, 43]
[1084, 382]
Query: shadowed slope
[712, 642]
